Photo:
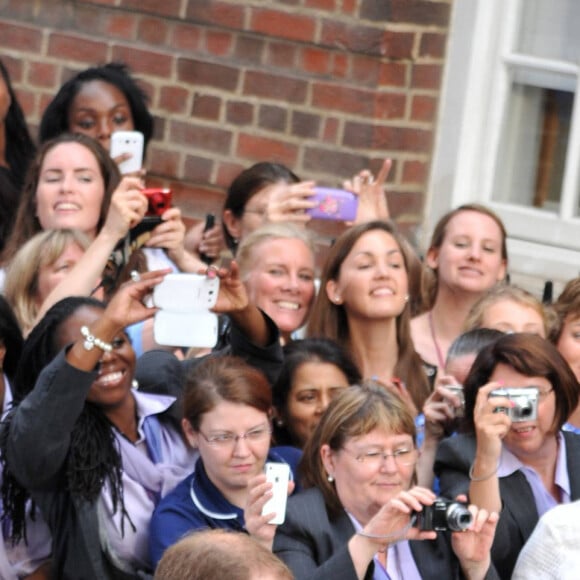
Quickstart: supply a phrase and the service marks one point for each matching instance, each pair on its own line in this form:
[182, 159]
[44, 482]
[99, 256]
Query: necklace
[440, 359]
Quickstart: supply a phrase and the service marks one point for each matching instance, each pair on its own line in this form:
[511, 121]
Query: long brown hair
[329, 320]
[26, 224]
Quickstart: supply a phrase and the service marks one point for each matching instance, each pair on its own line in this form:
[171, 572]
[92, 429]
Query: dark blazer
[519, 515]
[314, 545]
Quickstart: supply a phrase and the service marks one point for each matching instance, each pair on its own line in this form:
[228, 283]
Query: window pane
[533, 146]
[549, 29]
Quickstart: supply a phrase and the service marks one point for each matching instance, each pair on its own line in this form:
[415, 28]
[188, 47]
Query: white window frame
[541, 244]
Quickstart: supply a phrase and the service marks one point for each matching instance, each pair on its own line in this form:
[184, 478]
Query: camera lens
[458, 517]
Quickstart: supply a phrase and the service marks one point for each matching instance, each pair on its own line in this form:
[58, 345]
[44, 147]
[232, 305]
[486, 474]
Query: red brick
[174, 99]
[283, 24]
[305, 125]
[27, 100]
[198, 169]
[42, 74]
[199, 73]
[206, 107]
[163, 162]
[358, 101]
[228, 15]
[122, 26]
[365, 70]
[20, 37]
[315, 60]
[66, 46]
[272, 118]
[390, 105]
[426, 76]
[329, 5]
[415, 172]
[367, 40]
[361, 135]
[423, 108]
[227, 172]
[17, 9]
[433, 44]
[261, 149]
[340, 65]
[423, 12]
[393, 74]
[250, 50]
[89, 20]
[144, 61]
[271, 86]
[317, 159]
[15, 67]
[153, 31]
[349, 6]
[200, 136]
[330, 130]
[165, 8]
[218, 43]
[159, 127]
[195, 201]
[405, 203]
[281, 55]
[187, 37]
[239, 112]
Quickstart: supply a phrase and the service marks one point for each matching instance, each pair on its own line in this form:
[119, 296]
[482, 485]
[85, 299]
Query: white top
[552, 550]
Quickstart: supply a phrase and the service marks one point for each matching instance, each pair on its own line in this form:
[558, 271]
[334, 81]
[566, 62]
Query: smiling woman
[466, 257]
[510, 459]
[363, 305]
[277, 266]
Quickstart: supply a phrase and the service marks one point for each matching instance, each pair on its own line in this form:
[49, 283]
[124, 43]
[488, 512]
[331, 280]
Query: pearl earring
[135, 384]
[406, 298]
[330, 478]
[280, 422]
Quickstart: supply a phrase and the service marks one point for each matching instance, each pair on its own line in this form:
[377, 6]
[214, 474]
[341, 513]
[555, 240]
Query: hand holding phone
[278, 474]
[334, 204]
[184, 318]
[128, 142]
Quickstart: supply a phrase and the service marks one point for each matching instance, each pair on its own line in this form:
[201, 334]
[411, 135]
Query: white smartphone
[184, 318]
[128, 142]
[186, 292]
[198, 329]
[278, 474]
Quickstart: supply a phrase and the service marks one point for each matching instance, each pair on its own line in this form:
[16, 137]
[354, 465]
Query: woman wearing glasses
[355, 521]
[226, 407]
[514, 456]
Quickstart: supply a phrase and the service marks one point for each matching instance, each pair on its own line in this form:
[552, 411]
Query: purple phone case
[334, 204]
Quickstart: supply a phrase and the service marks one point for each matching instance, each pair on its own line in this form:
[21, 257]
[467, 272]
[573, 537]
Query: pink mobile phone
[334, 204]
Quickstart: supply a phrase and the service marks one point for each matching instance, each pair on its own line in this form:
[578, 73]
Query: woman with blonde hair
[37, 268]
[277, 266]
[508, 309]
[363, 305]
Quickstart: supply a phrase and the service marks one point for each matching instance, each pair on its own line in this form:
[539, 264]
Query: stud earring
[280, 422]
[406, 298]
[330, 478]
[135, 384]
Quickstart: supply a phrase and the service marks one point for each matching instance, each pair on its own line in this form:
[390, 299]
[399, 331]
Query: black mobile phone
[209, 223]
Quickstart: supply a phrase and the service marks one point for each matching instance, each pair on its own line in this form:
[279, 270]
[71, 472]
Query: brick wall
[325, 86]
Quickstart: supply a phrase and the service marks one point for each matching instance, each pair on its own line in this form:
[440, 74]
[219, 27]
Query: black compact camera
[443, 515]
[525, 399]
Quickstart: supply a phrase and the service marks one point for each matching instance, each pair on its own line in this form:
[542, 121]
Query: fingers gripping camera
[525, 403]
[443, 515]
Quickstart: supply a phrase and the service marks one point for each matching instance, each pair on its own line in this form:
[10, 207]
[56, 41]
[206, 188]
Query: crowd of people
[427, 411]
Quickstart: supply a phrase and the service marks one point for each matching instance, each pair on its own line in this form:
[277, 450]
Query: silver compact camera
[525, 403]
[443, 515]
[457, 390]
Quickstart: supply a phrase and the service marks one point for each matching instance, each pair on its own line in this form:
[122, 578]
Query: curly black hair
[93, 456]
